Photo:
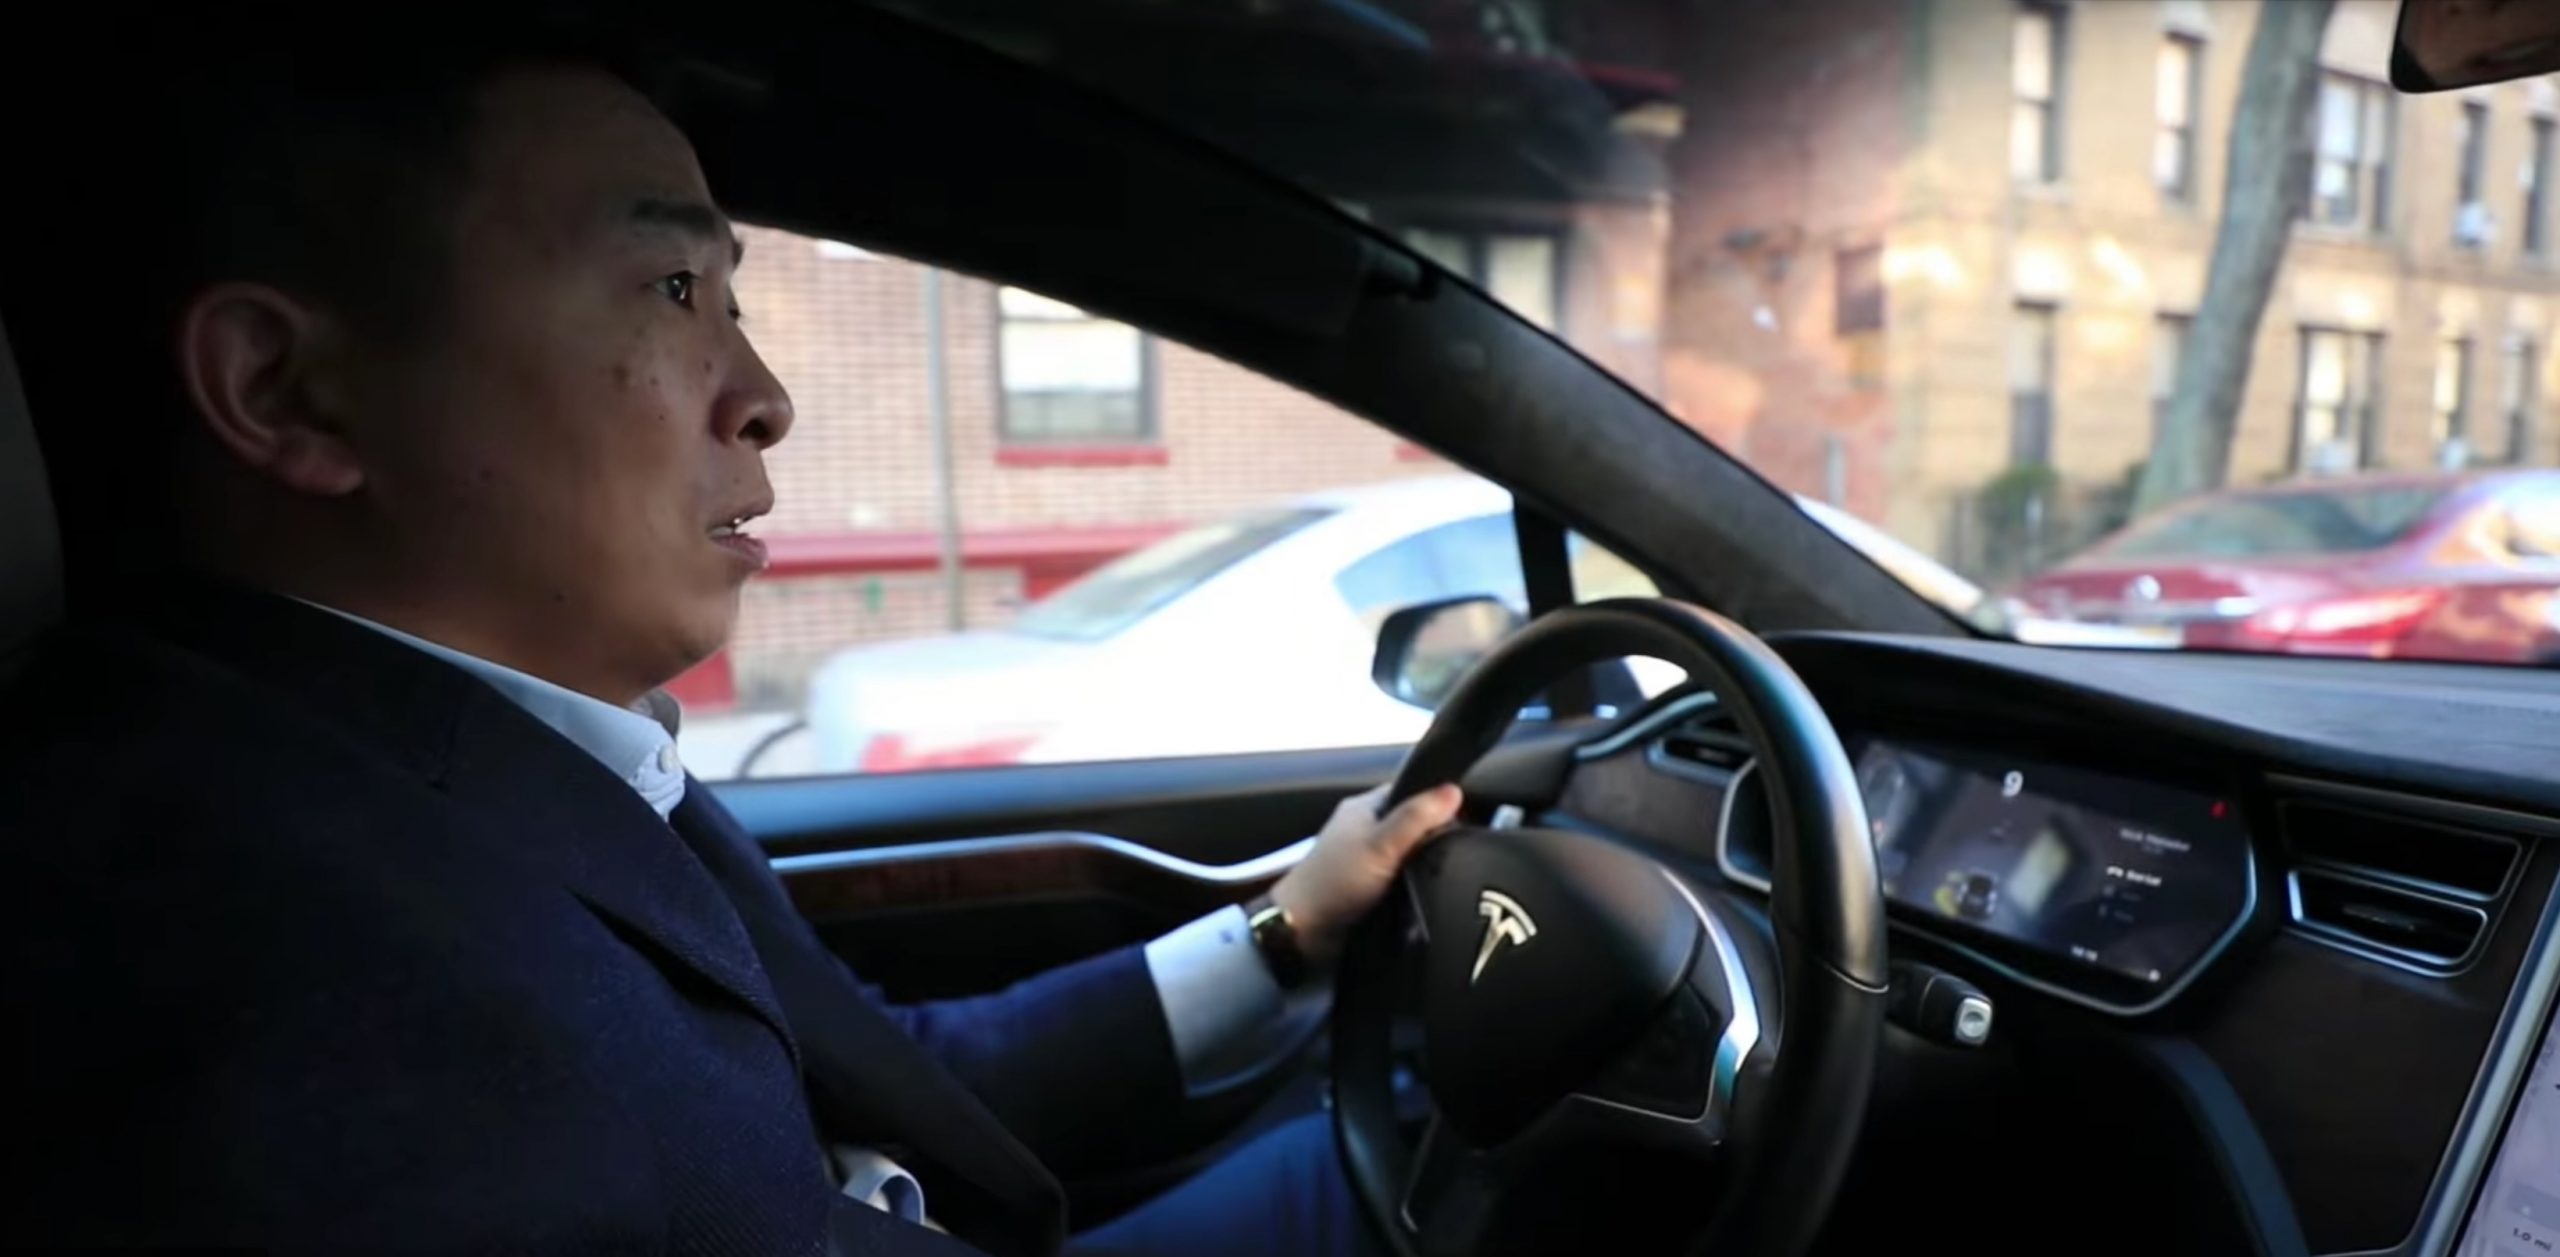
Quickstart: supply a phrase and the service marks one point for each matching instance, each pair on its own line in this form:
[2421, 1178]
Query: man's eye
[678, 287]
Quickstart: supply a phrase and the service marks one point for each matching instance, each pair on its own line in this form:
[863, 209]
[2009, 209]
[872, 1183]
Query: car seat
[30, 541]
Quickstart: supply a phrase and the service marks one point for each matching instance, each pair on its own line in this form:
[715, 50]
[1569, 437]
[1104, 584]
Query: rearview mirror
[2459, 43]
[1424, 650]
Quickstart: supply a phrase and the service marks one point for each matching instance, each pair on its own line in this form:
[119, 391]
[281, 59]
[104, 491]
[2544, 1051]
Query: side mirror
[2458, 43]
[1423, 650]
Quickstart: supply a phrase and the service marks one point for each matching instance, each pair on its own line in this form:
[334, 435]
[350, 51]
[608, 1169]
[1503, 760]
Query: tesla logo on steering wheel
[1505, 921]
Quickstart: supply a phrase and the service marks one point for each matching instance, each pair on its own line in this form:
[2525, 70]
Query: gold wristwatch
[1276, 937]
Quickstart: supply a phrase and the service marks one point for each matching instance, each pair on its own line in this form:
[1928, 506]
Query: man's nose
[755, 408]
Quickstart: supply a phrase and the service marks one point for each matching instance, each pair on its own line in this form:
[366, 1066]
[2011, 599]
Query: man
[356, 898]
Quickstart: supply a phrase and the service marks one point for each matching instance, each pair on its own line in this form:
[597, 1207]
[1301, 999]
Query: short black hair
[332, 168]
[324, 153]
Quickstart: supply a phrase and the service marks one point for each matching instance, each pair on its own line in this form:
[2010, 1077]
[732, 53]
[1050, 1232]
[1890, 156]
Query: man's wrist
[1284, 948]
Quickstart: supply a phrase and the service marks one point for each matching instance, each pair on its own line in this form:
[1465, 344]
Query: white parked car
[1272, 612]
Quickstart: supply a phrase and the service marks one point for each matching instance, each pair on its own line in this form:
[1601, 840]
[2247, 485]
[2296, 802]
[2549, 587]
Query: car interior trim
[1647, 724]
[1741, 1031]
[2496, 1089]
[2425, 807]
[1659, 757]
[1259, 869]
[1724, 825]
[2206, 961]
[2234, 1147]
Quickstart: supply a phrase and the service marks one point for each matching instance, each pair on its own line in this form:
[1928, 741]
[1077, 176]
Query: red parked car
[2462, 566]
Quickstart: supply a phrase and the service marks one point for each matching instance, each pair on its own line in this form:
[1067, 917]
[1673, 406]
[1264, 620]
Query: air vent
[1712, 743]
[2432, 934]
[2408, 891]
[1708, 747]
[2427, 858]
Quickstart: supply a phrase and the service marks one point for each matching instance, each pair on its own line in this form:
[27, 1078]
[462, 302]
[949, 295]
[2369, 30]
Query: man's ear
[256, 365]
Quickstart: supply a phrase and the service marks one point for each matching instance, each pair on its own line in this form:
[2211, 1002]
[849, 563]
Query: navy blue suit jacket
[315, 942]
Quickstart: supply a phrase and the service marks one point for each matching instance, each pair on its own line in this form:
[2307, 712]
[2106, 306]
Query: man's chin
[703, 633]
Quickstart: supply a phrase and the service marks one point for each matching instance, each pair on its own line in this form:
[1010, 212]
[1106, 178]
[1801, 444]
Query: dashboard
[2087, 884]
[2291, 922]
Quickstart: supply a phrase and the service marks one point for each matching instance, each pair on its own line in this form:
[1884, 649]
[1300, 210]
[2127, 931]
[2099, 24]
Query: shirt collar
[636, 743]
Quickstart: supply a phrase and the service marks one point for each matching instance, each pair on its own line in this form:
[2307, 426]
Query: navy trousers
[1283, 1195]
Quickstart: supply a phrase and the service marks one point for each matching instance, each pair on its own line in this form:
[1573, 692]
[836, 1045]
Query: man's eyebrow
[693, 218]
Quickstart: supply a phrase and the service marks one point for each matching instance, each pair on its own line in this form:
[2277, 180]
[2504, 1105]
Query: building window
[1857, 298]
[2470, 211]
[2035, 79]
[2168, 351]
[1522, 270]
[2173, 143]
[1068, 376]
[2453, 400]
[2341, 377]
[2537, 191]
[2351, 173]
[2031, 385]
[2517, 394]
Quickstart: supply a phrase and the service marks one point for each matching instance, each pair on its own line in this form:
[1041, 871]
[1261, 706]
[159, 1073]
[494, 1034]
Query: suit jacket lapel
[868, 1079]
[597, 837]
[535, 796]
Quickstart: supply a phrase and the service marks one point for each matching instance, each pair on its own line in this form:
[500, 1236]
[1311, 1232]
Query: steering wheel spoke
[1449, 1196]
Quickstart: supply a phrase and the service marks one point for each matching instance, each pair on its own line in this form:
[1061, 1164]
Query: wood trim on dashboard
[976, 871]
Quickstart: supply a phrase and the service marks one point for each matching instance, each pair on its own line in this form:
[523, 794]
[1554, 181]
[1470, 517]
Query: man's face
[560, 456]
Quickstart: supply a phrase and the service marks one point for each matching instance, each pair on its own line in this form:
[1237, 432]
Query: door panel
[941, 883]
[1214, 809]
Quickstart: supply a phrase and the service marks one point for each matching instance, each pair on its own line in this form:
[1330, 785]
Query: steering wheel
[1609, 1049]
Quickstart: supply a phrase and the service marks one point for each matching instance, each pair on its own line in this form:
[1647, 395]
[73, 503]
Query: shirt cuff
[1220, 1000]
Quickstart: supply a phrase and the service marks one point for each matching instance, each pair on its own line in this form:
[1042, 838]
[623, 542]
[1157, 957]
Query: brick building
[1923, 244]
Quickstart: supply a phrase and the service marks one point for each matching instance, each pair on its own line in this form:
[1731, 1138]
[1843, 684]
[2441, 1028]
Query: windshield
[2277, 526]
[1976, 274]
[1124, 591]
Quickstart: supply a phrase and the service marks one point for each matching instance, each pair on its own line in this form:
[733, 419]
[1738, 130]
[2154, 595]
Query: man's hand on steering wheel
[1356, 858]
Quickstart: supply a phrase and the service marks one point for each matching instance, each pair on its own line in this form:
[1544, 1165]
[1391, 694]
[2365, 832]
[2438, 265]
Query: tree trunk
[2266, 182]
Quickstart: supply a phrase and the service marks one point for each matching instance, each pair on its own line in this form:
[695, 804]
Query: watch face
[1277, 941]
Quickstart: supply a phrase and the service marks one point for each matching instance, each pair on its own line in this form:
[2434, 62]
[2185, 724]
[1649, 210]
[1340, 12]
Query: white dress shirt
[1220, 1001]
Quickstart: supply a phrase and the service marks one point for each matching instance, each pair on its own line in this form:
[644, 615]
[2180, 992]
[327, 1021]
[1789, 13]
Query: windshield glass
[1974, 274]
[1122, 592]
[2276, 526]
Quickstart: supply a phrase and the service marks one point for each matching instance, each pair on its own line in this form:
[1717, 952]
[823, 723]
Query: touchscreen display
[2518, 1211]
[2122, 876]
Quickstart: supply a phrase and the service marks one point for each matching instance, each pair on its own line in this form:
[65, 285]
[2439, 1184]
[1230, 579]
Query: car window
[1123, 591]
[1941, 269]
[2533, 522]
[1057, 550]
[2279, 525]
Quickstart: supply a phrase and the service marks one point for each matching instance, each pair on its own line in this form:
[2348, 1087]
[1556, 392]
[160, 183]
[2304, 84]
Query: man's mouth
[731, 535]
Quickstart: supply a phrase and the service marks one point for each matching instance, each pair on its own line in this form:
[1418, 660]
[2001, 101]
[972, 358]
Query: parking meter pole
[945, 483]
